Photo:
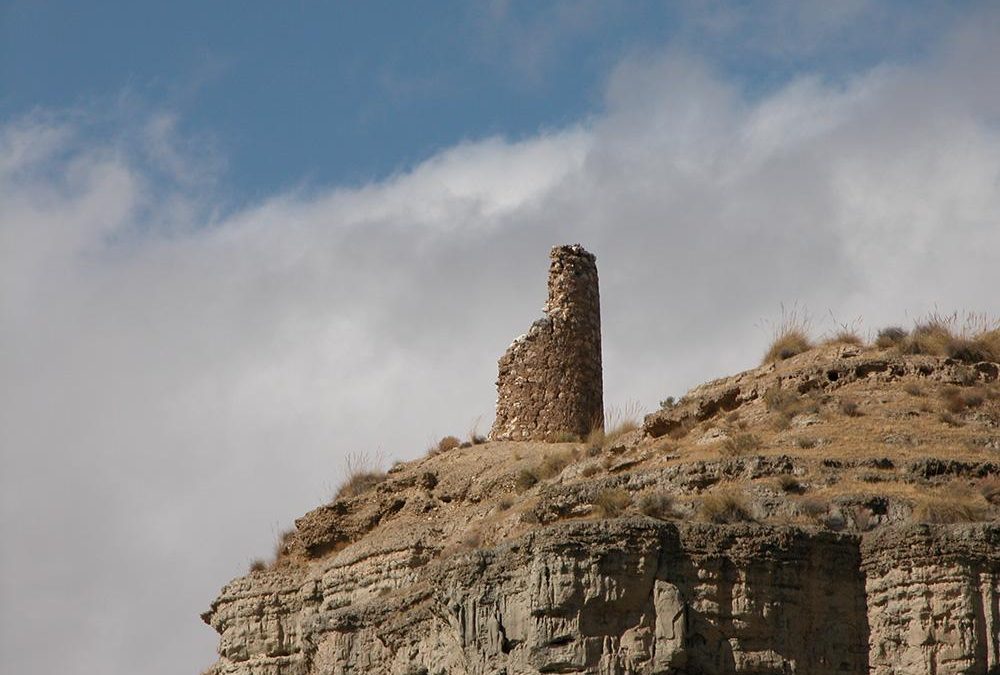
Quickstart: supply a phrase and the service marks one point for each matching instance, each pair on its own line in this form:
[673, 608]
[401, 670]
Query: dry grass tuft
[930, 337]
[657, 505]
[806, 442]
[476, 438]
[681, 430]
[913, 389]
[977, 339]
[553, 464]
[790, 484]
[739, 444]
[845, 337]
[725, 506]
[786, 345]
[959, 507]
[958, 400]
[362, 475]
[950, 419]
[617, 423]
[445, 444]
[525, 480]
[550, 466]
[283, 546]
[786, 404]
[257, 565]
[789, 336]
[893, 336]
[612, 502]
[849, 407]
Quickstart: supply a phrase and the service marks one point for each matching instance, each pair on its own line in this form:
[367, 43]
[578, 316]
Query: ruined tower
[550, 380]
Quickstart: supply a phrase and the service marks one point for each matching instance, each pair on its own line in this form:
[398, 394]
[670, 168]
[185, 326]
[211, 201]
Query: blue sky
[239, 241]
[320, 93]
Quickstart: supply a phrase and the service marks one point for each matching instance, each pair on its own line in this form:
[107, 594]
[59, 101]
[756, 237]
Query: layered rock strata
[634, 596]
[549, 382]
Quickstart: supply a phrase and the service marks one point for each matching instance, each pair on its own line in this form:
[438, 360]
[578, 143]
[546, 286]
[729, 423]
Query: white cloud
[176, 383]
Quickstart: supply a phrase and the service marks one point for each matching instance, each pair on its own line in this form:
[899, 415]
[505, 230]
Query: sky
[239, 241]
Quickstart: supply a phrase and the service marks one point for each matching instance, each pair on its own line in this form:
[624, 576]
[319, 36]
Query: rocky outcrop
[813, 373]
[550, 382]
[934, 599]
[633, 596]
[622, 557]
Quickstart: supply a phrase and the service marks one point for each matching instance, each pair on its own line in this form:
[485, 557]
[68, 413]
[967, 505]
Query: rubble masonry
[550, 380]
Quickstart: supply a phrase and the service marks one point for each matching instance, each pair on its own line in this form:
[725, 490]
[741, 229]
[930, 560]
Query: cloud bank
[180, 381]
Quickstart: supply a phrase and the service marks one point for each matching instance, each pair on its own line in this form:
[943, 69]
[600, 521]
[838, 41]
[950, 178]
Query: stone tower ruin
[550, 382]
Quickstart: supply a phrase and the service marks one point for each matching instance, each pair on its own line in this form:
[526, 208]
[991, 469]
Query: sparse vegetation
[786, 404]
[790, 484]
[893, 336]
[958, 400]
[950, 419]
[565, 437]
[739, 444]
[553, 464]
[779, 400]
[786, 345]
[845, 337]
[550, 465]
[257, 565]
[849, 407]
[445, 444]
[476, 438]
[362, 475]
[617, 423]
[930, 337]
[590, 470]
[725, 505]
[978, 339]
[283, 547]
[806, 442]
[668, 403]
[956, 507]
[657, 504]
[815, 507]
[612, 502]
[790, 336]
[913, 389]
[505, 502]
[525, 480]
[681, 430]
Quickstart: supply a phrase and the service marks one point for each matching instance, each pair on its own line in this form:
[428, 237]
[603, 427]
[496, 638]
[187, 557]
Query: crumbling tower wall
[550, 381]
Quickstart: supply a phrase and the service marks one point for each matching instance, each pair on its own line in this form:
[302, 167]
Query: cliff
[835, 512]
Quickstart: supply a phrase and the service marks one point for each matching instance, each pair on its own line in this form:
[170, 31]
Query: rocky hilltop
[833, 511]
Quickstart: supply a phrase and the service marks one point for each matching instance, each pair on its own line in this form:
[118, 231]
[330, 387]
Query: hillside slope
[835, 512]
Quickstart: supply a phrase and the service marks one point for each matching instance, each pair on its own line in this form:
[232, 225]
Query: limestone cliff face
[635, 596]
[934, 599]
